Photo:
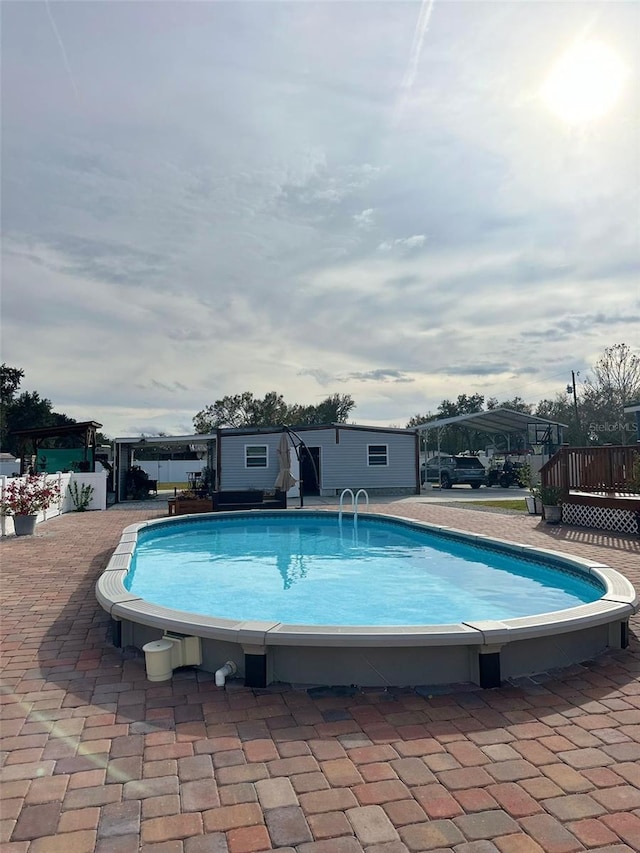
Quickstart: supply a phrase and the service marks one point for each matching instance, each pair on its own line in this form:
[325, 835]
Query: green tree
[10, 379]
[560, 410]
[241, 410]
[464, 405]
[333, 410]
[515, 405]
[452, 439]
[27, 410]
[245, 410]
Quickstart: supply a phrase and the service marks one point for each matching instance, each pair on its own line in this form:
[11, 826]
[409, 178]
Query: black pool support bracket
[489, 669]
[624, 635]
[116, 633]
[255, 670]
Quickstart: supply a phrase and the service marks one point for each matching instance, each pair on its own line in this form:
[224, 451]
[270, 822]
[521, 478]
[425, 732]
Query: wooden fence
[597, 470]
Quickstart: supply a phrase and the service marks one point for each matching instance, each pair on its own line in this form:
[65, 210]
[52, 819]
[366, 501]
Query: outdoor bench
[239, 499]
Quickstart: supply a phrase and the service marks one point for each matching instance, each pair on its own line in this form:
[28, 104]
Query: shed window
[256, 456]
[378, 454]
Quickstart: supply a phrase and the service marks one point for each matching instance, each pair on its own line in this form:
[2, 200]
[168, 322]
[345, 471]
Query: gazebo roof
[53, 432]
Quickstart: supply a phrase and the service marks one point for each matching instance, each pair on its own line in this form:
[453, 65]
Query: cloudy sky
[400, 201]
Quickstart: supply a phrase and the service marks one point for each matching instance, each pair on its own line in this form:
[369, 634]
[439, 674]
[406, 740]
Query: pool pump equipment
[169, 653]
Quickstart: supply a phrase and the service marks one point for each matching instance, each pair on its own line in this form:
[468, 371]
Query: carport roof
[198, 438]
[493, 420]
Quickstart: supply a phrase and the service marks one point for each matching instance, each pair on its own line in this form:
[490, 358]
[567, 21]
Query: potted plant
[24, 498]
[137, 484]
[188, 502]
[527, 480]
[551, 497]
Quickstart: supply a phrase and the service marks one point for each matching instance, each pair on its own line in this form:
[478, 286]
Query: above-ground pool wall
[397, 666]
[541, 654]
[373, 667]
[308, 665]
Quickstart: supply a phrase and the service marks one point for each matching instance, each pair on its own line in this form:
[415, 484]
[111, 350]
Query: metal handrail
[358, 493]
[354, 502]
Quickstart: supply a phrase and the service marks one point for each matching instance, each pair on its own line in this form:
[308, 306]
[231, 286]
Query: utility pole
[571, 389]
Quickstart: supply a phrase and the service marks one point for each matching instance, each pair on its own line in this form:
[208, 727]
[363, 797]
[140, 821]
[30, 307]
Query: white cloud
[364, 219]
[403, 243]
[226, 211]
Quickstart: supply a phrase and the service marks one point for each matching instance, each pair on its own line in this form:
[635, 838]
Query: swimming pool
[318, 572]
[302, 597]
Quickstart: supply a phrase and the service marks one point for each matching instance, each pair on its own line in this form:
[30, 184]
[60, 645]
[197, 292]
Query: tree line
[245, 410]
[25, 410]
[594, 416]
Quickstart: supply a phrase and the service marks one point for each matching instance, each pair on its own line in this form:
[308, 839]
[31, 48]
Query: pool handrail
[353, 501]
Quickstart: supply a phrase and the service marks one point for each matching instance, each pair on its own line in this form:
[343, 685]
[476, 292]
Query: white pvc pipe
[221, 674]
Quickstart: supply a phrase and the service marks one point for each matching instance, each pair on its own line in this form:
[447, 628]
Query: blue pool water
[309, 569]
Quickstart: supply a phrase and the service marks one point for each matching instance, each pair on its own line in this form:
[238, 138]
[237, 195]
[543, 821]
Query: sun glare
[585, 82]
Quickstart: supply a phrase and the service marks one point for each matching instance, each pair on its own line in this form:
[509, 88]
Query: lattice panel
[601, 517]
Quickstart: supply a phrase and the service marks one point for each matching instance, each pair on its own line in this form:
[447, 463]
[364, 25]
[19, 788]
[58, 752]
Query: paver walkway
[96, 758]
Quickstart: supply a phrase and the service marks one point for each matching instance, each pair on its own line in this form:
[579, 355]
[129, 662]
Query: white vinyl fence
[171, 470]
[65, 504]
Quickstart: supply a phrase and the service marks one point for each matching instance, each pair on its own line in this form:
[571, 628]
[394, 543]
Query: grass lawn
[518, 504]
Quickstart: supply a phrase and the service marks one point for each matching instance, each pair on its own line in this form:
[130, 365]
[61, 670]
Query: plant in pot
[137, 484]
[551, 497]
[191, 500]
[24, 498]
[207, 482]
[528, 480]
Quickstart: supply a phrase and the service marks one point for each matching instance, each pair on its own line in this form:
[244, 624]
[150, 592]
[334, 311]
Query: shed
[327, 458]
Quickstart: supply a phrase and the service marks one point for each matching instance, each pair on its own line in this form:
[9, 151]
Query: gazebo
[83, 434]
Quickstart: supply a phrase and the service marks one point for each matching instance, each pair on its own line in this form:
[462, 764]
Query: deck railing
[598, 470]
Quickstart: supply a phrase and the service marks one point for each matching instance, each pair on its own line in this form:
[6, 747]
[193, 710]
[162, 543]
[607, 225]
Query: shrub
[81, 497]
[29, 495]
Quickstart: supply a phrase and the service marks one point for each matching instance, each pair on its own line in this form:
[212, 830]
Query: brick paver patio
[96, 758]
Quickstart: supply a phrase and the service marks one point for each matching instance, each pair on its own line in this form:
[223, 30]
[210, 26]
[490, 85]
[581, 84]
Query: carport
[124, 449]
[540, 436]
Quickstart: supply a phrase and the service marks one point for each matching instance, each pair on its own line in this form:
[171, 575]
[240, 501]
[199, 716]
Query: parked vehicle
[454, 471]
[513, 476]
